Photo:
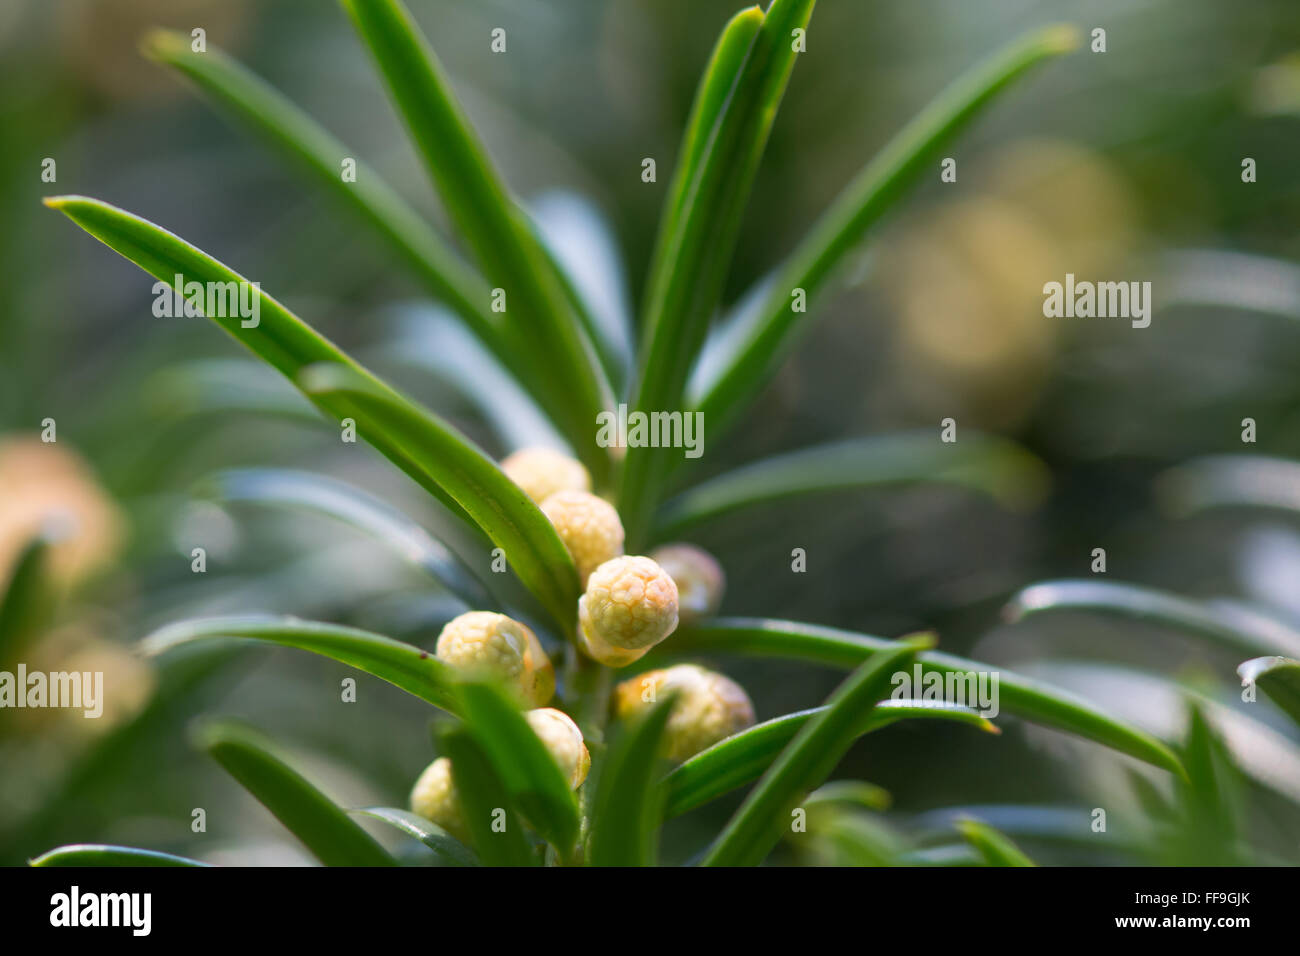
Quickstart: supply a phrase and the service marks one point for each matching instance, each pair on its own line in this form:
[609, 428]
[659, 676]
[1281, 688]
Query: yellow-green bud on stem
[630, 605]
[434, 798]
[541, 472]
[709, 707]
[699, 578]
[434, 795]
[563, 739]
[487, 644]
[588, 526]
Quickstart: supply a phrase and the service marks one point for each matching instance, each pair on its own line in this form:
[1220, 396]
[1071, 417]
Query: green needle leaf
[26, 600]
[805, 763]
[432, 452]
[323, 827]
[403, 665]
[523, 764]
[742, 758]
[994, 848]
[755, 355]
[1142, 604]
[987, 464]
[358, 508]
[495, 228]
[279, 122]
[628, 805]
[448, 849]
[1280, 679]
[498, 834]
[1022, 696]
[702, 226]
[104, 854]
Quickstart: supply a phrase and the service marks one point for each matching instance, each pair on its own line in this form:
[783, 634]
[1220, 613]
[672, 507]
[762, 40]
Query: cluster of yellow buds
[486, 644]
[434, 795]
[709, 706]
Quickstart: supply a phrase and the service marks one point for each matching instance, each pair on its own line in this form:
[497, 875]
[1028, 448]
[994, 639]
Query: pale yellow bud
[434, 798]
[709, 707]
[486, 644]
[563, 739]
[588, 526]
[630, 605]
[541, 472]
[698, 577]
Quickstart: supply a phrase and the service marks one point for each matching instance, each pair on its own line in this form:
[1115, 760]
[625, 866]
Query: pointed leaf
[684, 289]
[987, 464]
[489, 220]
[876, 188]
[1147, 605]
[523, 764]
[322, 826]
[1022, 696]
[805, 762]
[358, 508]
[433, 453]
[742, 758]
[414, 670]
[628, 805]
[497, 831]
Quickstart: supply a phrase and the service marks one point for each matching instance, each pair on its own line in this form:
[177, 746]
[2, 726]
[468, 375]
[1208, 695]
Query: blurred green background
[1123, 165]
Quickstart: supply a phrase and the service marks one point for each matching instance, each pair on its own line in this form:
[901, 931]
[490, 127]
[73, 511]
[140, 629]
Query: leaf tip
[161, 46]
[1062, 38]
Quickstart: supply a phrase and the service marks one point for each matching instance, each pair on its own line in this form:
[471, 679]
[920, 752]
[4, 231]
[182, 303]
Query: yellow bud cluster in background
[541, 472]
[698, 576]
[434, 795]
[486, 644]
[709, 706]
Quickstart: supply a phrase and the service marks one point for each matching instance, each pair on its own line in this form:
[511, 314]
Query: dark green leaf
[702, 226]
[1141, 604]
[438, 457]
[323, 827]
[629, 801]
[358, 508]
[877, 187]
[743, 757]
[497, 231]
[991, 465]
[1018, 695]
[414, 670]
[525, 767]
[494, 825]
[805, 762]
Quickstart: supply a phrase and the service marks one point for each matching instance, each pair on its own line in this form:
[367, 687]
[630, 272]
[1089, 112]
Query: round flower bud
[486, 644]
[434, 798]
[698, 576]
[709, 707]
[588, 526]
[563, 739]
[630, 605]
[541, 472]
